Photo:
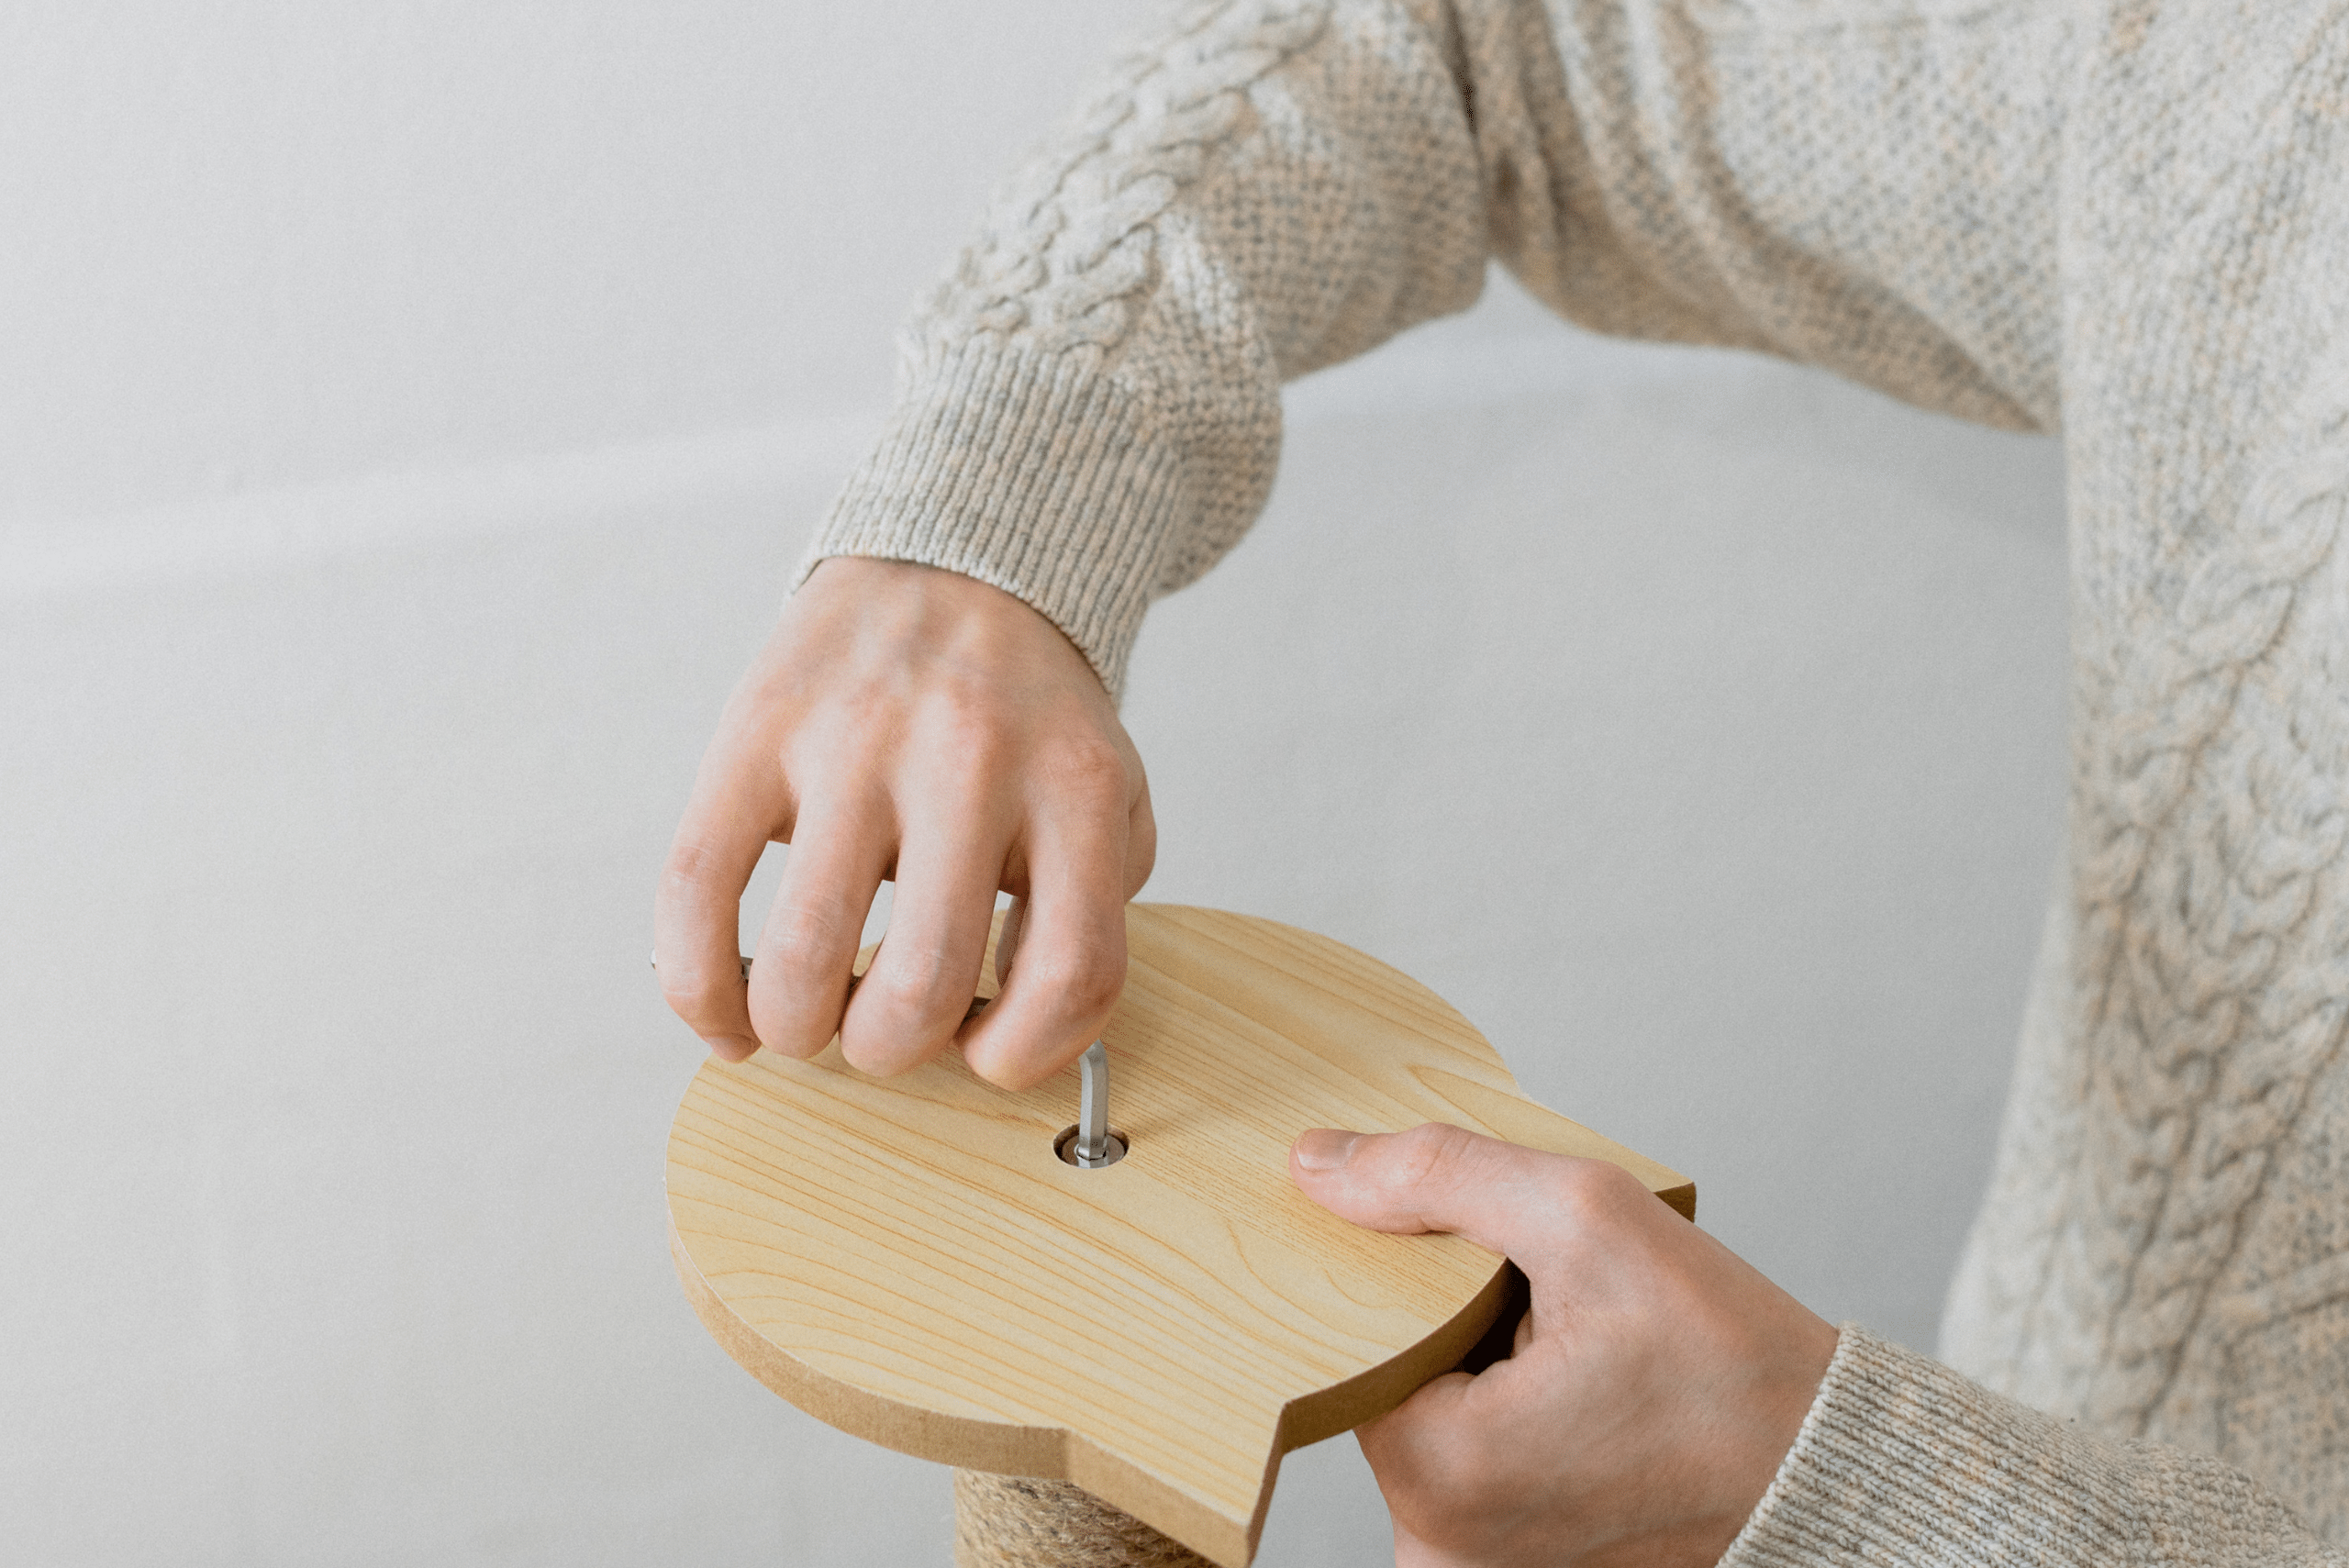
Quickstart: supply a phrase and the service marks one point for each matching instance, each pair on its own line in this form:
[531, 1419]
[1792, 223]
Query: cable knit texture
[2125, 219]
[1089, 403]
[1902, 1461]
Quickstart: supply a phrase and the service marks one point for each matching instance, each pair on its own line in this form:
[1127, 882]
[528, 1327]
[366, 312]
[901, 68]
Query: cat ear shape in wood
[908, 1260]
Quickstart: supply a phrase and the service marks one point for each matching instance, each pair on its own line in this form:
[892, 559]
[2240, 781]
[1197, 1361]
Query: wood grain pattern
[905, 1259]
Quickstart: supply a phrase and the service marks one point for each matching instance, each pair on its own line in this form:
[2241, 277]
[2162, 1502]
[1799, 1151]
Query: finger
[1438, 1405]
[918, 989]
[1397, 1442]
[1415, 1451]
[1517, 1201]
[1072, 954]
[807, 946]
[696, 925]
[1141, 854]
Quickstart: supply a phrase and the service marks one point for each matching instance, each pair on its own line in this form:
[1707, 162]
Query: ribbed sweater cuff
[1031, 473]
[1902, 1461]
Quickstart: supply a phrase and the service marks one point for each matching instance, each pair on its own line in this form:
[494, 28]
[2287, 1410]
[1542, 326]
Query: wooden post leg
[1018, 1521]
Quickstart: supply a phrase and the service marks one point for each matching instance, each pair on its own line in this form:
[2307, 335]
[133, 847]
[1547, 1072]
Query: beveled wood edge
[1058, 1454]
[1371, 1393]
[926, 1434]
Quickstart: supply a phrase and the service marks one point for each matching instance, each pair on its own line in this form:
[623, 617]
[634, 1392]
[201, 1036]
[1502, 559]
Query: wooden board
[906, 1259]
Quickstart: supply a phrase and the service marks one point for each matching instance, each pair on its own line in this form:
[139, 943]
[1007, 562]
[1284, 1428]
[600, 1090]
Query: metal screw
[1092, 1146]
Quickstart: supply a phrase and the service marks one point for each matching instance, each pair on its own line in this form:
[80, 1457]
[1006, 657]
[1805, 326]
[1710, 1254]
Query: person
[2125, 219]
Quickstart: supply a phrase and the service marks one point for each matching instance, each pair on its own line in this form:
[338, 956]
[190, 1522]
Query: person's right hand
[909, 724]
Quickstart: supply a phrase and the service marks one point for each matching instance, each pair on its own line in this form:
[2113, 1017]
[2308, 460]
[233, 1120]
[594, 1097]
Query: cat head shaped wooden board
[908, 1260]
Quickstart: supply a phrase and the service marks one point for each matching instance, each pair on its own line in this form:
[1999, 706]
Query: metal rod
[1093, 1110]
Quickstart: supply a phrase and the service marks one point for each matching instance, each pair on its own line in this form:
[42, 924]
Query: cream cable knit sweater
[2125, 219]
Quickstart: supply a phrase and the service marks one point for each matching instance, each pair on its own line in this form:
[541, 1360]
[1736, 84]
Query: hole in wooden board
[1065, 1147]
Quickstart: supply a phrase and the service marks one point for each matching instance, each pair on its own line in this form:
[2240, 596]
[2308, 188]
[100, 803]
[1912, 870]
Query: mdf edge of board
[906, 1259]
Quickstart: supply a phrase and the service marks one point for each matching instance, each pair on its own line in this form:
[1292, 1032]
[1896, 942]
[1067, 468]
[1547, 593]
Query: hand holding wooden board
[907, 1259]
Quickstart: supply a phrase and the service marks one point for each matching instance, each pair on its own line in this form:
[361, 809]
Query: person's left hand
[1656, 1383]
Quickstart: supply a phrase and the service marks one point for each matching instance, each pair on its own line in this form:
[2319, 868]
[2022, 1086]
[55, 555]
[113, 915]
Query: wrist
[944, 623]
[1011, 468]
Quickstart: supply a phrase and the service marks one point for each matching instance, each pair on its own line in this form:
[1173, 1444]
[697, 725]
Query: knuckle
[802, 937]
[914, 985]
[1085, 983]
[1595, 1193]
[1427, 1153]
[833, 755]
[689, 864]
[1087, 765]
[1093, 985]
[967, 727]
[973, 733]
[809, 753]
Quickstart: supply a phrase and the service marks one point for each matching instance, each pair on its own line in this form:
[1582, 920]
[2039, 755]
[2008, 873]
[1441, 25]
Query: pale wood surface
[905, 1257]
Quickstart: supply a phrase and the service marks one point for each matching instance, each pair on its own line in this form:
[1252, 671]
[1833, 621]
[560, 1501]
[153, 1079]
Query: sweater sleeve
[1902, 1461]
[1088, 410]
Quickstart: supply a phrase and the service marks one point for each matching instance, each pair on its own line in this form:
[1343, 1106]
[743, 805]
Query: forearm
[1088, 412]
[1903, 1461]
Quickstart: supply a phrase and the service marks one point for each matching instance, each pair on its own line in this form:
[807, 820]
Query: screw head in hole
[1065, 1147]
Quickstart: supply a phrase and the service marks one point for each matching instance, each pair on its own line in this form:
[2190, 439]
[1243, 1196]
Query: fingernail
[1326, 1149]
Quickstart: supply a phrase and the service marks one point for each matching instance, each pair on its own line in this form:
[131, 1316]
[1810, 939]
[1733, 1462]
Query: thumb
[1435, 1177]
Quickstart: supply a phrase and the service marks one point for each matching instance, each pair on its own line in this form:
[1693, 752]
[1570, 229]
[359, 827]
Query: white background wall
[409, 413]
